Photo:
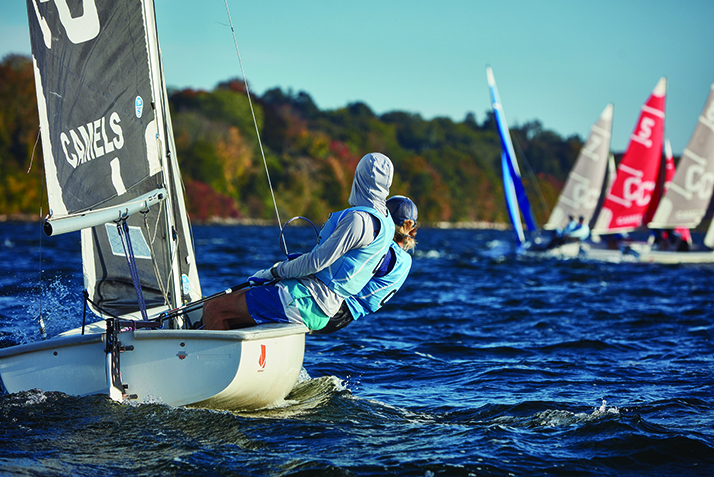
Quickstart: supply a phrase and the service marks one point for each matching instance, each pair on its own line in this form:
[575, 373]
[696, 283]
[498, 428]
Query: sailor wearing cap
[389, 276]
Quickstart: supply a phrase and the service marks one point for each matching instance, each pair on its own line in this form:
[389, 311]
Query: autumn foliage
[450, 169]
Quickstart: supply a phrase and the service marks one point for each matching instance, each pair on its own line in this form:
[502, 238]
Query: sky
[558, 62]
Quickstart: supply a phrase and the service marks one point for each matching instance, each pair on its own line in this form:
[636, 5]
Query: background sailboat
[112, 173]
[585, 183]
[516, 198]
[628, 200]
[688, 197]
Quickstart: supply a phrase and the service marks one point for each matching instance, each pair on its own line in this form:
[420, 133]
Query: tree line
[450, 169]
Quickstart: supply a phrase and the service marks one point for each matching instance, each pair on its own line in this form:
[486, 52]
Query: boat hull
[642, 253]
[676, 257]
[240, 369]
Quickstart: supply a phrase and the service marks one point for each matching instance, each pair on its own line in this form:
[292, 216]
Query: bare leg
[227, 312]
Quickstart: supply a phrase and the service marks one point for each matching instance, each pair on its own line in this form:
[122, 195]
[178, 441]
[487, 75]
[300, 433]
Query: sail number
[644, 132]
[82, 28]
[593, 145]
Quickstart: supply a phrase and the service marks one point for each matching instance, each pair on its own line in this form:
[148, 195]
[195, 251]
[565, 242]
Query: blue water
[484, 364]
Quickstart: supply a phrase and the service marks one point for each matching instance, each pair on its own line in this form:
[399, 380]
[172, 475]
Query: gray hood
[373, 177]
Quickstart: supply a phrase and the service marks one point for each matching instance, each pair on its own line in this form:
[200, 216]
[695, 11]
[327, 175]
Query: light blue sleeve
[355, 230]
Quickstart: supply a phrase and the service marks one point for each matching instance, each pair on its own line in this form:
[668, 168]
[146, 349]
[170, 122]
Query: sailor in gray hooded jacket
[312, 287]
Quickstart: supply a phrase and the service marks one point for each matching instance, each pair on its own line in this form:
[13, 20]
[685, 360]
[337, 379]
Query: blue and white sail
[516, 198]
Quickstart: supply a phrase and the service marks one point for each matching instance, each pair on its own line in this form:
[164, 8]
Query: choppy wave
[485, 363]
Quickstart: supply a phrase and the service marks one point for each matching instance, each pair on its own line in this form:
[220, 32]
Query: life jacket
[380, 289]
[351, 272]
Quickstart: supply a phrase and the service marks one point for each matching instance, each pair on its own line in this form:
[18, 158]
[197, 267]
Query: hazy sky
[560, 62]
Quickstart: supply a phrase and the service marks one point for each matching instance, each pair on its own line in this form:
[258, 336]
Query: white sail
[582, 190]
[687, 199]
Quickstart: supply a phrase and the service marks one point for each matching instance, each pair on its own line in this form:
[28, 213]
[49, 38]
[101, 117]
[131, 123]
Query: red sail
[637, 174]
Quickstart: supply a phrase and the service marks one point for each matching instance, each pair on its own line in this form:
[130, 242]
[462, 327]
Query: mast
[160, 111]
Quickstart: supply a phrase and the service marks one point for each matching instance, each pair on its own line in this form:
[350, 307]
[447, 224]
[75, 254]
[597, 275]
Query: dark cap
[402, 208]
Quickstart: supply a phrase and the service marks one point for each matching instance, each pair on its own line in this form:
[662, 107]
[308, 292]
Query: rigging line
[32, 157]
[125, 236]
[41, 322]
[153, 257]
[533, 177]
[255, 122]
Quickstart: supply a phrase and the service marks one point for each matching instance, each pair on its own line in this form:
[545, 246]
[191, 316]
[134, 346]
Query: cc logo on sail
[698, 181]
[584, 195]
[635, 190]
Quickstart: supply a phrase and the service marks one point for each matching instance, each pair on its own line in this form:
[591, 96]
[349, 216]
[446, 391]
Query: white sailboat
[588, 180]
[686, 201]
[583, 187]
[634, 193]
[112, 172]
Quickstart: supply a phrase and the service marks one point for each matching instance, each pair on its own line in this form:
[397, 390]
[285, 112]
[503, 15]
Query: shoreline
[266, 223]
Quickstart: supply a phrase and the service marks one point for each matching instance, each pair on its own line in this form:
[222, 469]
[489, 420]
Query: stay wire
[41, 322]
[255, 121]
[533, 177]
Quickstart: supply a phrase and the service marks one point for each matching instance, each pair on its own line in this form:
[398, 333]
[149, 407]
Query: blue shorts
[288, 301]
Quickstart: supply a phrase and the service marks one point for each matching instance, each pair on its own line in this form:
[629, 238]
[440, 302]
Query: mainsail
[629, 198]
[516, 198]
[107, 143]
[583, 188]
[686, 200]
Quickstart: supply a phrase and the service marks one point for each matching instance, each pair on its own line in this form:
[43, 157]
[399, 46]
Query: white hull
[676, 257]
[242, 369]
[564, 252]
[640, 252]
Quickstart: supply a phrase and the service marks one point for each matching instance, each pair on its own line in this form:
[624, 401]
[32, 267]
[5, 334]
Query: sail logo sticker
[185, 284]
[262, 359]
[698, 181]
[584, 195]
[139, 105]
[636, 190]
